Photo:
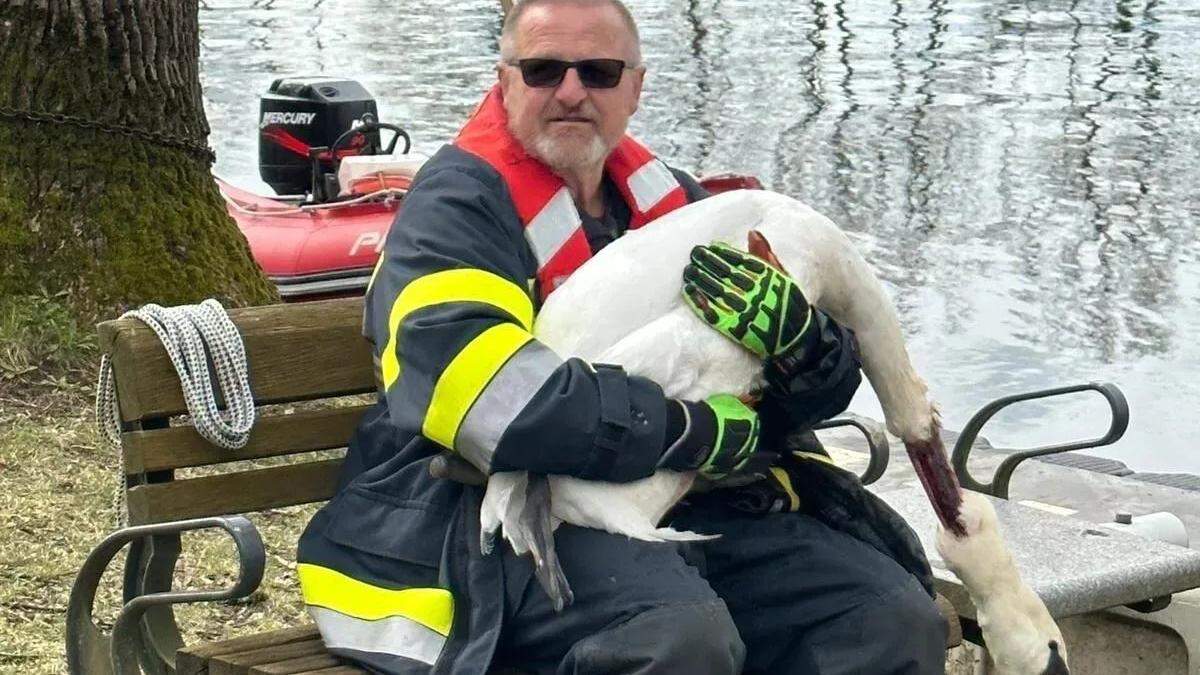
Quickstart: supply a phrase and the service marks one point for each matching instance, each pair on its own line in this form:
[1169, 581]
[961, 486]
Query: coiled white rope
[194, 336]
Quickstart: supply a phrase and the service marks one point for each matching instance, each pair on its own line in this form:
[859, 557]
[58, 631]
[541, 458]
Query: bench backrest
[311, 352]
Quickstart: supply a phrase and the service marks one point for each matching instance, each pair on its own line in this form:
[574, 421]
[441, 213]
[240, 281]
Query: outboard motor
[307, 125]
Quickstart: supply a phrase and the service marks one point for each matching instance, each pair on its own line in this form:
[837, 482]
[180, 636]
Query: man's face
[571, 127]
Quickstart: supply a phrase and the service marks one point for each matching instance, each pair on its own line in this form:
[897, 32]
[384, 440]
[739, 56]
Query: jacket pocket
[411, 531]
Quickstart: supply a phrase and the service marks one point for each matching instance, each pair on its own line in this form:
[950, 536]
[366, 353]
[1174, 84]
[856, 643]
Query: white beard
[562, 158]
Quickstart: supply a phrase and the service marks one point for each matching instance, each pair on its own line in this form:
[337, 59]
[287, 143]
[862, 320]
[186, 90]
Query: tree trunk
[127, 213]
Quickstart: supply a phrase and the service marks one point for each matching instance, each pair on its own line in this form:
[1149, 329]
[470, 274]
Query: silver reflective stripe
[394, 635]
[651, 183]
[502, 400]
[553, 226]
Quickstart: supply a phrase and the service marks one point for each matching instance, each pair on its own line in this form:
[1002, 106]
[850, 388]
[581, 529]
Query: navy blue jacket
[450, 312]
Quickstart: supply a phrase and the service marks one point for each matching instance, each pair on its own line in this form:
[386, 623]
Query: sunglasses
[593, 73]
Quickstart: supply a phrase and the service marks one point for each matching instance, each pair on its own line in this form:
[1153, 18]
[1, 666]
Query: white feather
[625, 307]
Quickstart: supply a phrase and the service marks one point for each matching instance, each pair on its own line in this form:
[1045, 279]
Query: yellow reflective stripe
[466, 377]
[785, 481]
[461, 285]
[375, 270]
[814, 455]
[324, 587]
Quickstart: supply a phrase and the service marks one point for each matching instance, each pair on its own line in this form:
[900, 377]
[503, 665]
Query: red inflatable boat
[311, 251]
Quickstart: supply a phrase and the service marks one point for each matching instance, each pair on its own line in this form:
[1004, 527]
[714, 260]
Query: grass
[59, 484]
[57, 503]
[42, 342]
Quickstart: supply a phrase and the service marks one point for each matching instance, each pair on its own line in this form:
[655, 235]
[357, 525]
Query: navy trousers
[780, 593]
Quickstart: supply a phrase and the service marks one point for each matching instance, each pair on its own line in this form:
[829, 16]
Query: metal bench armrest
[90, 651]
[877, 443]
[998, 486]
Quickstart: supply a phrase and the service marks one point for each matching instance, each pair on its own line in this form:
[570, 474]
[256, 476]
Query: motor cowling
[298, 114]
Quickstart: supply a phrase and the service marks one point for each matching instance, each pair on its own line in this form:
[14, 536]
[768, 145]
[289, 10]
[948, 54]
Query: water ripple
[1022, 176]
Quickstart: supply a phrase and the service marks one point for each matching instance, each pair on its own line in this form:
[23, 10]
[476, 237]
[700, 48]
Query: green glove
[716, 436]
[746, 299]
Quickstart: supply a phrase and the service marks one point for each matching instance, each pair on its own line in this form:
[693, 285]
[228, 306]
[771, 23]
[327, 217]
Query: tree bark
[113, 218]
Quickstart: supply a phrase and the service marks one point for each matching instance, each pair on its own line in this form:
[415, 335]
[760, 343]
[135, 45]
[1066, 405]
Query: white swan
[624, 307]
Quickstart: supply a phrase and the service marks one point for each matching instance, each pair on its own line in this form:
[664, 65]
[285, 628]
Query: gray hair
[508, 34]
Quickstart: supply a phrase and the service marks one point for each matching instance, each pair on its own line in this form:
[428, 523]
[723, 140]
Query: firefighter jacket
[484, 234]
[390, 568]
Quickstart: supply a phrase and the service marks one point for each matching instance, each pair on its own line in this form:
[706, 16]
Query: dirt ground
[57, 502]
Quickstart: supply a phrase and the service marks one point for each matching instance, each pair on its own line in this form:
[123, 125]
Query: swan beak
[937, 477]
[760, 247]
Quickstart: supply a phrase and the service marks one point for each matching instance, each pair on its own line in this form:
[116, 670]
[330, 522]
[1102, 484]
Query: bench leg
[149, 568]
[129, 651]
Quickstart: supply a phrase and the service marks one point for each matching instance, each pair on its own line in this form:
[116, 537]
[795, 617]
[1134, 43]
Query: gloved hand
[813, 382]
[716, 437]
[747, 300]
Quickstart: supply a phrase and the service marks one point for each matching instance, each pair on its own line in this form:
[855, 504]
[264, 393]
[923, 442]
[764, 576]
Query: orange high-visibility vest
[552, 224]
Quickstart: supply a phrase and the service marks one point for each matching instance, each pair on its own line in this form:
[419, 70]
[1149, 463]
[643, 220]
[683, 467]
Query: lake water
[1023, 176]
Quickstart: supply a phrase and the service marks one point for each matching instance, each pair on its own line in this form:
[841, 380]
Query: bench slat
[241, 492]
[300, 665]
[290, 349]
[241, 662]
[193, 660]
[179, 447]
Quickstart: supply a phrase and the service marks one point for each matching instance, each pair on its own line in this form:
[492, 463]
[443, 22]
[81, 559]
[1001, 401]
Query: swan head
[1021, 635]
[1046, 657]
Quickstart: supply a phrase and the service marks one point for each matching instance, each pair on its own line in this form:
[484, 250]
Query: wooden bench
[309, 353]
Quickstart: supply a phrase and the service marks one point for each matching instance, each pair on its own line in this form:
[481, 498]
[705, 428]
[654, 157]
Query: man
[540, 178]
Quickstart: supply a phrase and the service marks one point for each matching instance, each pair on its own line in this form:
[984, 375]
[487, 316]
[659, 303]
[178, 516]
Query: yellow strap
[814, 455]
[466, 377]
[324, 587]
[461, 285]
[785, 481]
